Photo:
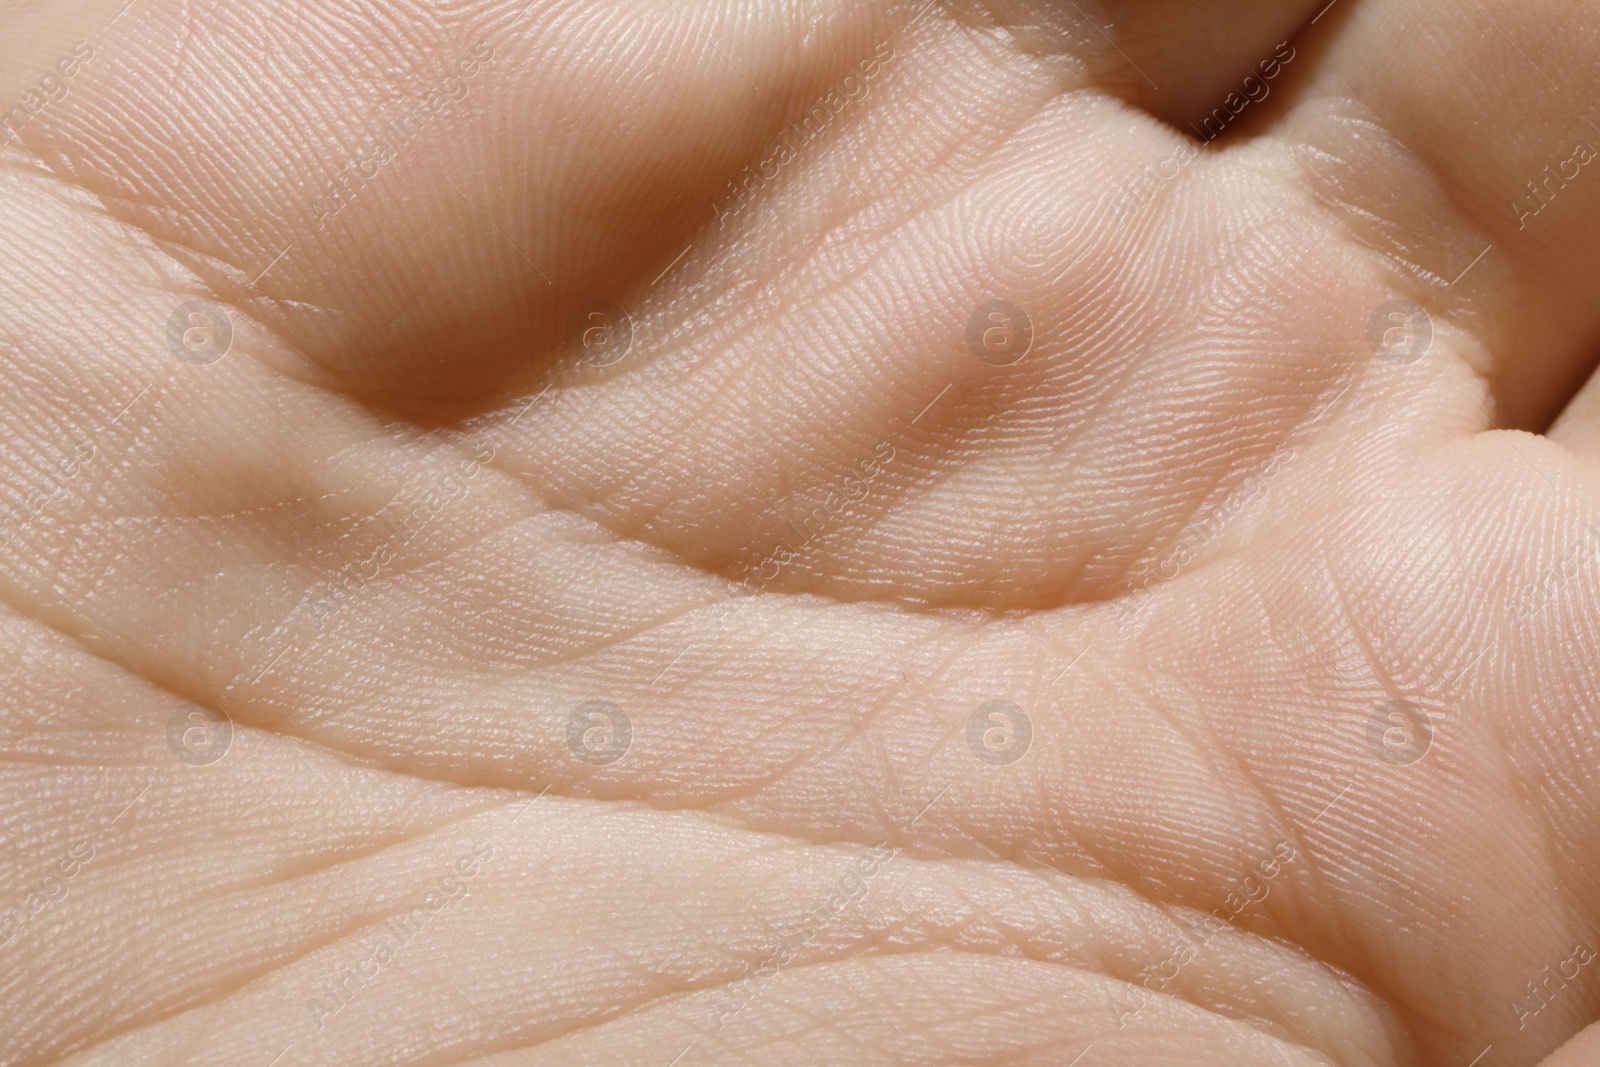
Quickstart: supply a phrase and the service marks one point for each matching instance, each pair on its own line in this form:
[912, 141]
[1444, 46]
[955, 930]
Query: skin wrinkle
[251, 977]
[1376, 669]
[608, 643]
[749, 367]
[1211, 501]
[137, 239]
[1526, 800]
[868, 722]
[1433, 300]
[1114, 387]
[523, 672]
[1042, 875]
[1266, 586]
[81, 643]
[894, 233]
[927, 488]
[798, 264]
[636, 1008]
[1379, 983]
[1282, 827]
[738, 793]
[640, 1005]
[875, 938]
[1002, 31]
[775, 777]
[626, 531]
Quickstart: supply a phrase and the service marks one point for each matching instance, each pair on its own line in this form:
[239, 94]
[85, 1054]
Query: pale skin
[1196, 688]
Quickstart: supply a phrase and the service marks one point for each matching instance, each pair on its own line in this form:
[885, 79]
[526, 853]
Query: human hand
[528, 542]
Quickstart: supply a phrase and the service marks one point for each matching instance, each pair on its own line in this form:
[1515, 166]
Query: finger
[1205, 67]
[1459, 145]
[1582, 1051]
[1578, 427]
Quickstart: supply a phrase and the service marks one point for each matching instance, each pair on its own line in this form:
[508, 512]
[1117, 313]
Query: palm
[422, 553]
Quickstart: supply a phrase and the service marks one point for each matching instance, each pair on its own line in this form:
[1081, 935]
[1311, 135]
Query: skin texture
[1307, 641]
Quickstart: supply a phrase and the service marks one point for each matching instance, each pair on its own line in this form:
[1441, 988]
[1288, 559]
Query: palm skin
[1305, 639]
